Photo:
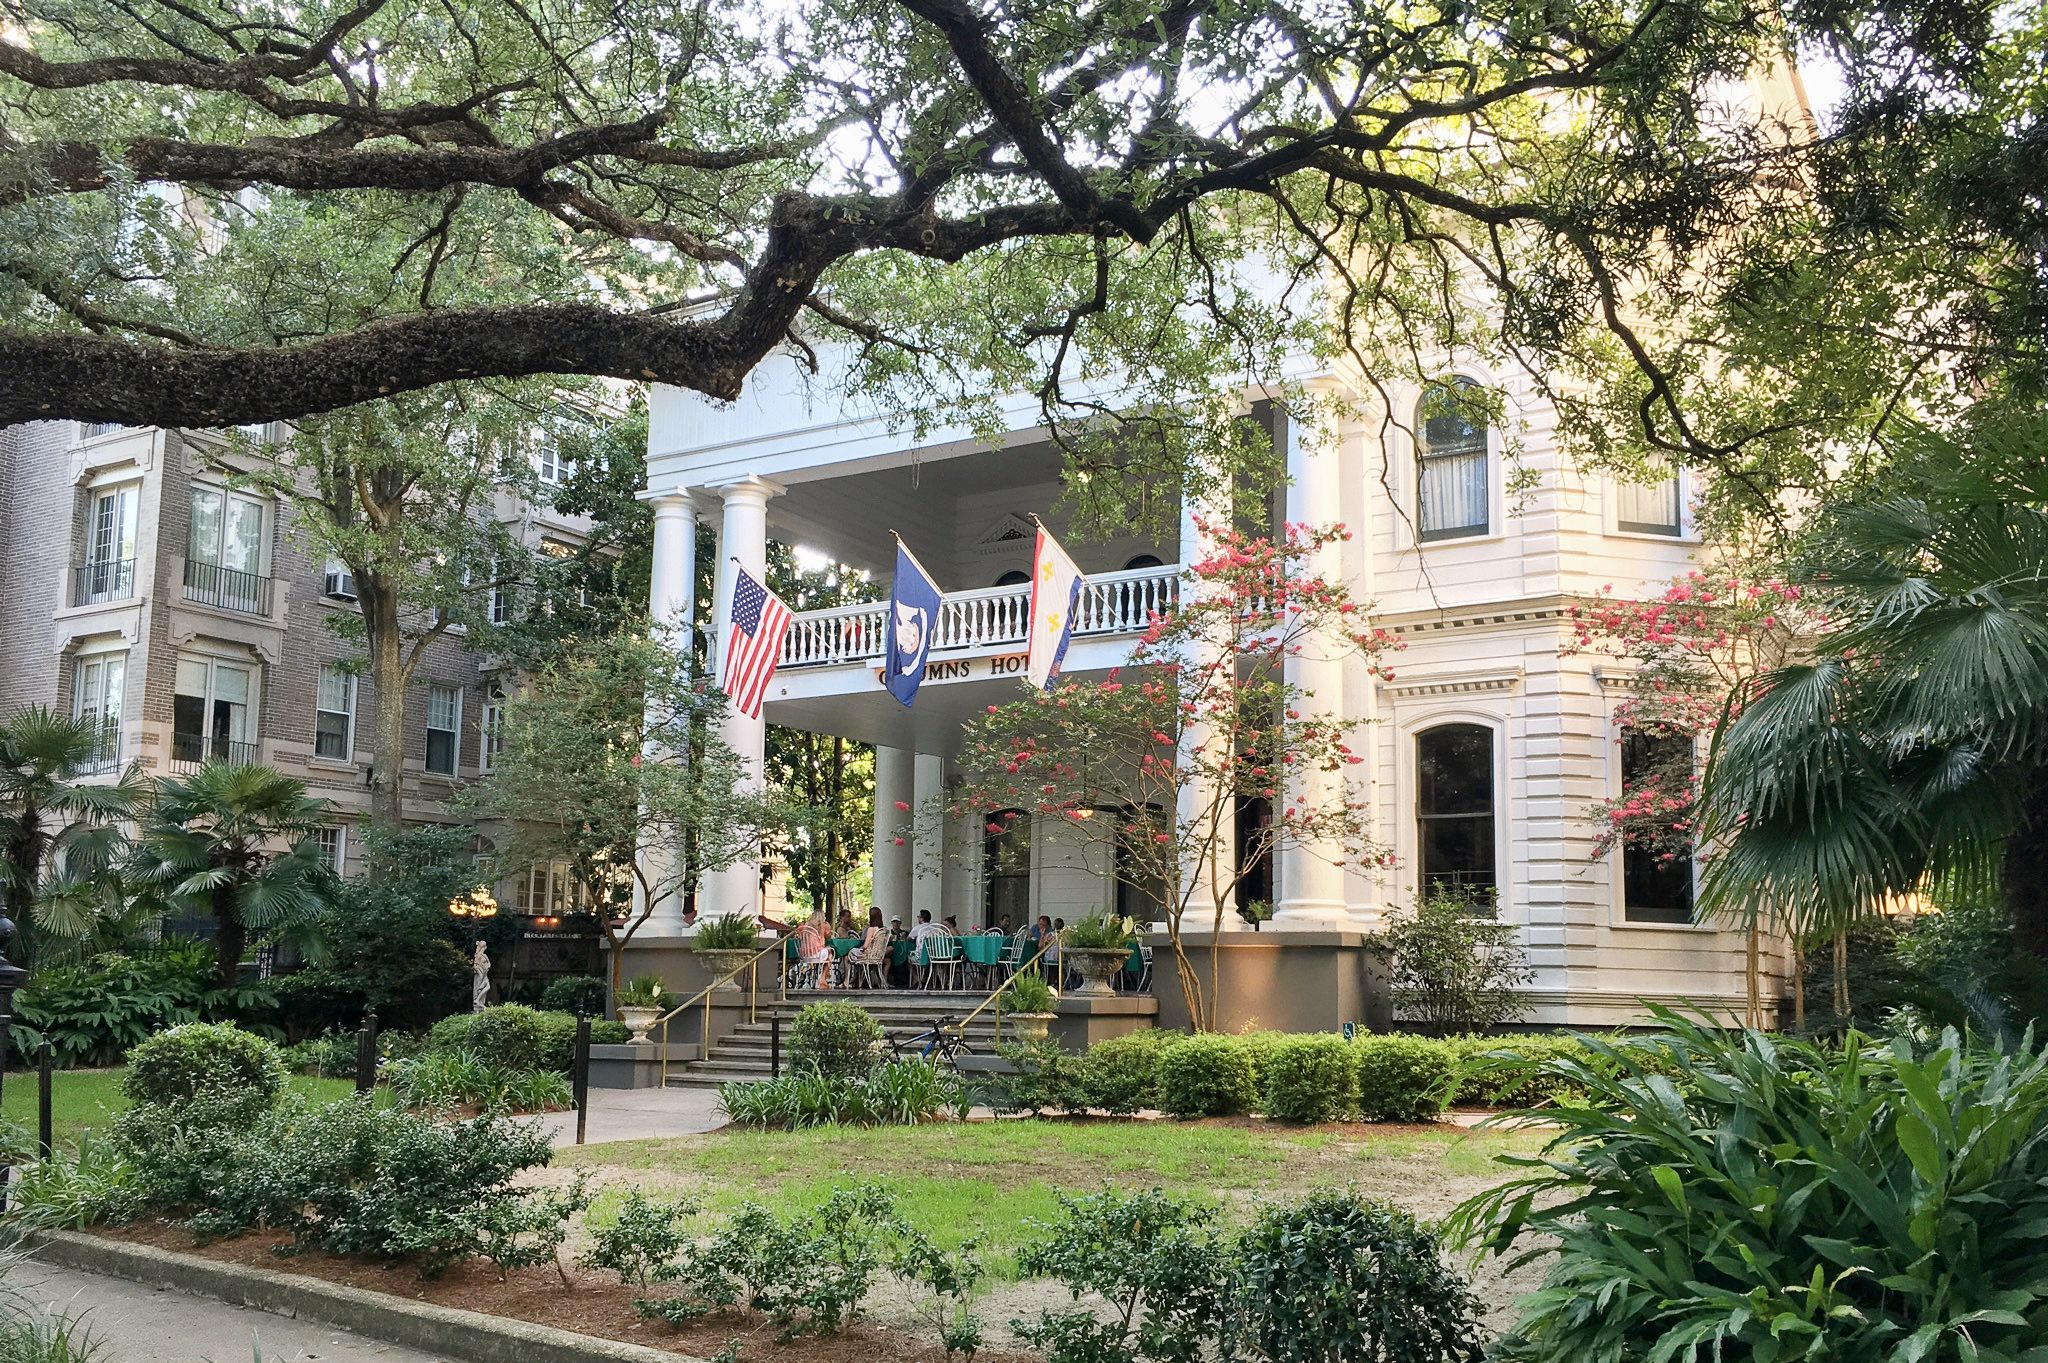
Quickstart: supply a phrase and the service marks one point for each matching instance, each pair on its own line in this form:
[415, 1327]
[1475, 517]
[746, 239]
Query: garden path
[639, 1115]
[132, 1323]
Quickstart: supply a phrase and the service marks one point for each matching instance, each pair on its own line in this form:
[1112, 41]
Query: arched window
[1454, 806]
[1144, 561]
[1006, 867]
[1452, 498]
[1016, 577]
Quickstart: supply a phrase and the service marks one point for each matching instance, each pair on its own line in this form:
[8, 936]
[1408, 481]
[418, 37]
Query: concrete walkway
[130, 1323]
[639, 1115]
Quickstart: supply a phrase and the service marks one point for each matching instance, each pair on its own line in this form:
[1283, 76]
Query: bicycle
[936, 1040]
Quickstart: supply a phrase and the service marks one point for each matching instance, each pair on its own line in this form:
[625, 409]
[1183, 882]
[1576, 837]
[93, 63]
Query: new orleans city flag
[1055, 593]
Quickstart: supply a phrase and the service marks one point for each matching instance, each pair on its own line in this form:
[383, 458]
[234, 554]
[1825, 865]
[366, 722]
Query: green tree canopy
[237, 212]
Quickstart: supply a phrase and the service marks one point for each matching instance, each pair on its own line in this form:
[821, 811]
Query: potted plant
[1255, 912]
[1096, 949]
[1028, 1004]
[641, 1000]
[724, 945]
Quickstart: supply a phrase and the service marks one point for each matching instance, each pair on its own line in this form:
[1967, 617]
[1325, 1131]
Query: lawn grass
[82, 1100]
[990, 1180]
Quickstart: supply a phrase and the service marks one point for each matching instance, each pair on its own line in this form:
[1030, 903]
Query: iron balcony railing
[188, 751]
[105, 755]
[228, 588]
[111, 579]
[1122, 602]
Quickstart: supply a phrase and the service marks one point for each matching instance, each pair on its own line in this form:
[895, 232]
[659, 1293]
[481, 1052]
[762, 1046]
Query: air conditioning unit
[341, 582]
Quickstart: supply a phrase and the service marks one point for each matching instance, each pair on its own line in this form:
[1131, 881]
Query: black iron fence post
[366, 1052]
[580, 1072]
[45, 1110]
[775, 1045]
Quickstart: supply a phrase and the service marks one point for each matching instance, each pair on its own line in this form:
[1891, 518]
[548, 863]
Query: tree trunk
[230, 938]
[1753, 977]
[2024, 875]
[379, 605]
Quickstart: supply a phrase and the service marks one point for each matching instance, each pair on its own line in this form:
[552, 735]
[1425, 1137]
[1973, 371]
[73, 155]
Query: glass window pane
[206, 527]
[231, 683]
[1451, 447]
[1454, 770]
[1648, 508]
[1657, 878]
[1458, 851]
[192, 677]
[242, 544]
[334, 689]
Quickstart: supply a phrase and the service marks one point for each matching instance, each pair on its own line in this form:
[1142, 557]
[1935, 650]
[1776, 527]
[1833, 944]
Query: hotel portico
[1485, 750]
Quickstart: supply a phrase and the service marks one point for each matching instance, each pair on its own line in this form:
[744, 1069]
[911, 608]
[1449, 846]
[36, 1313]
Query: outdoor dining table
[979, 949]
[842, 945]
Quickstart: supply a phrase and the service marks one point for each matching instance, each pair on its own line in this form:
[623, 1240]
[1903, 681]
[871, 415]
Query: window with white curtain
[97, 687]
[1452, 496]
[334, 716]
[333, 842]
[444, 728]
[1652, 508]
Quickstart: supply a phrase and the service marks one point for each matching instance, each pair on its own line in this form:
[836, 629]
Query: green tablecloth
[899, 952]
[1136, 965]
[842, 945]
[980, 949]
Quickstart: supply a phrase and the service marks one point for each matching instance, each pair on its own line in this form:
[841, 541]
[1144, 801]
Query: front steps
[744, 1055]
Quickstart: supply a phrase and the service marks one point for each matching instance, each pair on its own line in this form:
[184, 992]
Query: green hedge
[1312, 1078]
[512, 1037]
[216, 1061]
[1402, 1078]
[1121, 1075]
[1208, 1075]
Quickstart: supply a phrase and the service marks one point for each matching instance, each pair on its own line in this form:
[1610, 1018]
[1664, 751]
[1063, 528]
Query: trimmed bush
[1208, 1076]
[1514, 1071]
[1310, 1079]
[572, 993]
[451, 1033]
[1402, 1078]
[1335, 1277]
[834, 1039]
[212, 1060]
[1121, 1075]
[510, 1036]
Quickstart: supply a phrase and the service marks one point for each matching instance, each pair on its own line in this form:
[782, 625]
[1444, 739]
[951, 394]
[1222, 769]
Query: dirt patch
[586, 1303]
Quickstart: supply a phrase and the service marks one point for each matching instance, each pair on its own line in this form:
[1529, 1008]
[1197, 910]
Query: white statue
[480, 985]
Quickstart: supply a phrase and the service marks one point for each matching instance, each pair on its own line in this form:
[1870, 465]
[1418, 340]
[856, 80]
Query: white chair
[1144, 985]
[868, 972]
[942, 957]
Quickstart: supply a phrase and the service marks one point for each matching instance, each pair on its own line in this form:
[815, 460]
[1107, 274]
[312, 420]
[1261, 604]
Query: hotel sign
[967, 669]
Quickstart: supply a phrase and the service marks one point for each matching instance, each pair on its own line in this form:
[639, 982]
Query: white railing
[1111, 603]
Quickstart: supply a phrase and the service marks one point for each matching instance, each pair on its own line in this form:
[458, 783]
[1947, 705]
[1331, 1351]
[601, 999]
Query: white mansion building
[1486, 750]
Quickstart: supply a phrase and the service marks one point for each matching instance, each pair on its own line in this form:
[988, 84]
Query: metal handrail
[997, 992]
[704, 996]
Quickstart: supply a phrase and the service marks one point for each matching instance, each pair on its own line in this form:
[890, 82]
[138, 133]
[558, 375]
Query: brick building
[139, 588]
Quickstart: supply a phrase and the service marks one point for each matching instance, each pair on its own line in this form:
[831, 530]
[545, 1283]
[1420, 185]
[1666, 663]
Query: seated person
[813, 948]
[925, 927]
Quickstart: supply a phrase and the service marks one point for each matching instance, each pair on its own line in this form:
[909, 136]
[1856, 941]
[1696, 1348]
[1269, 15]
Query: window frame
[1484, 529]
[1624, 915]
[1681, 529]
[348, 732]
[1495, 816]
[337, 859]
[452, 730]
[105, 717]
[491, 728]
[252, 725]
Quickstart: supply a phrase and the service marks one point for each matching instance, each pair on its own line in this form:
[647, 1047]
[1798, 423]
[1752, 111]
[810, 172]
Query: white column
[1311, 884]
[894, 785]
[1208, 859]
[928, 888]
[742, 537]
[670, 602]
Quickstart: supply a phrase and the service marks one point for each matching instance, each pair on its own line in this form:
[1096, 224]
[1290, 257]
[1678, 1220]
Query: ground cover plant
[898, 1092]
[1884, 1199]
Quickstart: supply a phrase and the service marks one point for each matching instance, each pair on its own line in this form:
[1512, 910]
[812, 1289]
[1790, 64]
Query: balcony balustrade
[209, 584]
[100, 580]
[988, 618]
[189, 751]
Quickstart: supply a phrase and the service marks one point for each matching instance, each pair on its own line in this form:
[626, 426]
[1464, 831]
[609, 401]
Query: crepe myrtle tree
[1150, 761]
[1690, 651]
[609, 759]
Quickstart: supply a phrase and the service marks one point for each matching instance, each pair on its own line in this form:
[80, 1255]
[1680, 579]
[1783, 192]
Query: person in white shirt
[925, 927]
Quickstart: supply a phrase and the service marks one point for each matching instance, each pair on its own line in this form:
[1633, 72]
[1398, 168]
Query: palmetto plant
[236, 842]
[1912, 750]
[45, 809]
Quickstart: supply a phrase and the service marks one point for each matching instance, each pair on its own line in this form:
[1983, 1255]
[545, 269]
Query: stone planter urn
[722, 961]
[1029, 1026]
[1096, 966]
[638, 1020]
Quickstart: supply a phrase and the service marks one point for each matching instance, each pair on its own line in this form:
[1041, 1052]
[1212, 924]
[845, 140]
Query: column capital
[671, 500]
[752, 489]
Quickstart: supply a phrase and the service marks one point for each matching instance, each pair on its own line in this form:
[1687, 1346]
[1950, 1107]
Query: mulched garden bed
[588, 1304]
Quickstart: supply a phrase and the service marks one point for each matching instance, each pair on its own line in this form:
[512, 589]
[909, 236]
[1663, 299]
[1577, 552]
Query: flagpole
[911, 554]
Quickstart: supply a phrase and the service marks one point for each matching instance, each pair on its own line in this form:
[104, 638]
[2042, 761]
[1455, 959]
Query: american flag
[753, 644]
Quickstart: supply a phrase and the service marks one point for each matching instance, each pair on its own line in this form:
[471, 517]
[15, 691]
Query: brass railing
[752, 968]
[961, 1026]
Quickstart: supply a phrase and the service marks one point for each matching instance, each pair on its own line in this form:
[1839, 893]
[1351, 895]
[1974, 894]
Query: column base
[1310, 914]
